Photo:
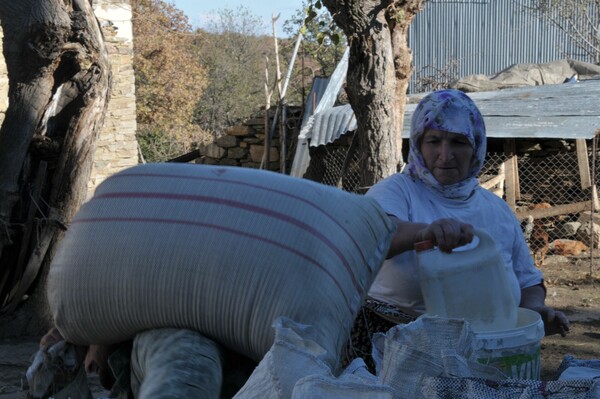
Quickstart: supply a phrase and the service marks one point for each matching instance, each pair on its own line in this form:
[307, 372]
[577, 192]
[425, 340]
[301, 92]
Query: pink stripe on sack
[244, 206]
[228, 230]
[256, 186]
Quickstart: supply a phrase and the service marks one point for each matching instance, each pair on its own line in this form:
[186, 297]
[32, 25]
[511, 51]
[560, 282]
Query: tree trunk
[59, 83]
[378, 72]
[402, 14]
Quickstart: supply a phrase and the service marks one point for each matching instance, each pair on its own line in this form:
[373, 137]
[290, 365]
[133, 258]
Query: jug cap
[423, 245]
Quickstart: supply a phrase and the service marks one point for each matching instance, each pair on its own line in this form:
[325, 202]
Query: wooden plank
[559, 99]
[502, 172]
[535, 126]
[583, 163]
[494, 181]
[555, 210]
[511, 173]
[496, 184]
[498, 192]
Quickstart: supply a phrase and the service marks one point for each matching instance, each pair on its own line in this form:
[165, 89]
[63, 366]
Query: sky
[201, 11]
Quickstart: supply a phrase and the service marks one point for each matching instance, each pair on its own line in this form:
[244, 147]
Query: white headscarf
[451, 111]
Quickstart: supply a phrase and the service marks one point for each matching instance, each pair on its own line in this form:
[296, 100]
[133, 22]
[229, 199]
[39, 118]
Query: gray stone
[227, 141]
[586, 216]
[240, 130]
[255, 121]
[207, 161]
[229, 162]
[254, 140]
[212, 150]
[237, 153]
[253, 165]
[256, 153]
[569, 229]
[589, 234]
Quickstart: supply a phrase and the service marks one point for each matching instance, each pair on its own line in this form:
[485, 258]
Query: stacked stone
[117, 146]
[244, 145]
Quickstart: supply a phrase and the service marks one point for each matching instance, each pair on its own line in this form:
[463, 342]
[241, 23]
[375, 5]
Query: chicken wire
[548, 173]
[336, 164]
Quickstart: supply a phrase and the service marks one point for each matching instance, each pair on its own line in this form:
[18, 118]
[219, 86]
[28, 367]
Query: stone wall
[117, 145]
[244, 145]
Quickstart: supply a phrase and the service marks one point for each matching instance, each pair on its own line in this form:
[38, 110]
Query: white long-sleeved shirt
[409, 200]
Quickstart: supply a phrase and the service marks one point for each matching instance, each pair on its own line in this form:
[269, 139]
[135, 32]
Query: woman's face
[447, 155]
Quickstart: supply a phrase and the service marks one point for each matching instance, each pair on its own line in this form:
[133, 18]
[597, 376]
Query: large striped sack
[221, 250]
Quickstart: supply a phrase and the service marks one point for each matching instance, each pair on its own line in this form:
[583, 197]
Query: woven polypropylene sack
[473, 388]
[221, 250]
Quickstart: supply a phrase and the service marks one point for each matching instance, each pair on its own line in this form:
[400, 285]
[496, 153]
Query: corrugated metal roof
[451, 39]
[330, 124]
[327, 94]
[563, 111]
[317, 89]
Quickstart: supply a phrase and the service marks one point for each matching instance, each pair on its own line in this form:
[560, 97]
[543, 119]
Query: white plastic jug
[468, 284]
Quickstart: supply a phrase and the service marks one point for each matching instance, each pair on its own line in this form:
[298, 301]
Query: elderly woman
[437, 197]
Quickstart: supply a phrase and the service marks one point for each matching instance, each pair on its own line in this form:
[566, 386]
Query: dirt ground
[573, 287]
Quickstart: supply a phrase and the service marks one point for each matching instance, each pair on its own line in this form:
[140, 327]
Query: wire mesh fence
[336, 164]
[548, 177]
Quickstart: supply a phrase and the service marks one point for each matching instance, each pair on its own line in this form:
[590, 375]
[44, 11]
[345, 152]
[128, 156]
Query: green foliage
[158, 145]
[234, 54]
[322, 47]
[324, 42]
[192, 85]
[169, 80]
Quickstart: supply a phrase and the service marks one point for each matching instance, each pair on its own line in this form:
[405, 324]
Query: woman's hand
[447, 234]
[555, 321]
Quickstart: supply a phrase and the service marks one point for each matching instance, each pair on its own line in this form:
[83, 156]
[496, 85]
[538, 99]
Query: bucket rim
[531, 331]
[525, 318]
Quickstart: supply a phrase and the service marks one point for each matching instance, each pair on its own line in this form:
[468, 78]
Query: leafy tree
[579, 19]
[323, 41]
[58, 89]
[234, 54]
[322, 47]
[169, 80]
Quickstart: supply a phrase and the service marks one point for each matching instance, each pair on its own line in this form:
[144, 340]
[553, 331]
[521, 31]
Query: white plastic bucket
[515, 351]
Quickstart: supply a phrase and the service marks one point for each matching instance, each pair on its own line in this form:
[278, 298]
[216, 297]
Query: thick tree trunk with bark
[378, 73]
[402, 13]
[59, 83]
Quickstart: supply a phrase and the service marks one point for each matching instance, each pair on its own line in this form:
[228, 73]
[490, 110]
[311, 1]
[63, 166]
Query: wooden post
[268, 94]
[511, 167]
[283, 140]
[583, 163]
[584, 170]
[496, 184]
